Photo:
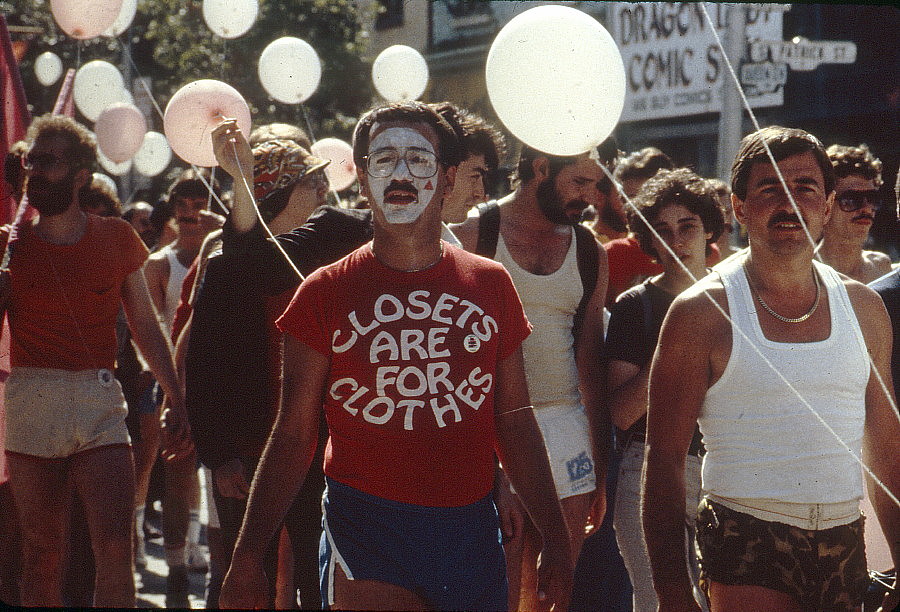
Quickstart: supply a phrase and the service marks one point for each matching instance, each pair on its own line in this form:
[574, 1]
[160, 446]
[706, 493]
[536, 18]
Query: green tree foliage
[170, 43]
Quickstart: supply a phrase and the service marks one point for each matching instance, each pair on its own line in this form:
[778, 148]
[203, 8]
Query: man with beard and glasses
[788, 399]
[189, 198]
[68, 273]
[535, 232]
[857, 183]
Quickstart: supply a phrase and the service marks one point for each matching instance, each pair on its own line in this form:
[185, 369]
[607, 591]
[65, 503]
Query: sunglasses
[852, 200]
[41, 161]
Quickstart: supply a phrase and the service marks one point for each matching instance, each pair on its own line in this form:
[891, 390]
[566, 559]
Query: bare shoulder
[701, 306]
[467, 232]
[869, 307]
[879, 262]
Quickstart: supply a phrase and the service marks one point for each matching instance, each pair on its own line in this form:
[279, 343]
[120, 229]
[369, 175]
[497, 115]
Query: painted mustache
[397, 186]
[783, 217]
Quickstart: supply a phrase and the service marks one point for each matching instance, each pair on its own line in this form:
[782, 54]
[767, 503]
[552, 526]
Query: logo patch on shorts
[579, 467]
[472, 343]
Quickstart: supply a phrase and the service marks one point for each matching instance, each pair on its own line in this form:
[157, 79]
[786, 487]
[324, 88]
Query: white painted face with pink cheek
[401, 196]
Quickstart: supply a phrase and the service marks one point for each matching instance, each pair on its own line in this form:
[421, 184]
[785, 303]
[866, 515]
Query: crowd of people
[432, 399]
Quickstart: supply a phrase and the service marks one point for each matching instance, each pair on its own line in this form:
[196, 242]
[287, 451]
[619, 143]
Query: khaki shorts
[568, 440]
[54, 413]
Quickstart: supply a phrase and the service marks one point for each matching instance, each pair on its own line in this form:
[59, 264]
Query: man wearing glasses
[857, 183]
[411, 347]
[68, 273]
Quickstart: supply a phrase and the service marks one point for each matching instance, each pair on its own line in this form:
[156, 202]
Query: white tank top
[177, 272]
[761, 441]
[550, 303]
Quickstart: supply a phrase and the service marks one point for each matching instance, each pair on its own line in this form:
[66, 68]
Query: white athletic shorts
[568, 440]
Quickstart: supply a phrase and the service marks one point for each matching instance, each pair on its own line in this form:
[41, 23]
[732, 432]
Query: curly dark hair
[82, 146]
[189, 184]
[669, 187]
[643, 164]
[477, 136]
[855, 160]
[98, 197]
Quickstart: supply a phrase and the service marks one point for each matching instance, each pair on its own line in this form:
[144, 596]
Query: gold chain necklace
[768, 309]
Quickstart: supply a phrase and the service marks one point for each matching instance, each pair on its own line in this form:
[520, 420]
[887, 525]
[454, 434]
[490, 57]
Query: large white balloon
[120, 131]
[85, 19]
[126, 16]
[154, 155]
[111, 166]
[556, 80]
[341, 172]
[400, 73]
[230, 18]
[194, 111]
[289, 69]
[97, 85]
[48, 68]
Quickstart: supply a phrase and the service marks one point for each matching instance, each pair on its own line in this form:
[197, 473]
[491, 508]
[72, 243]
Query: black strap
[588, 269]
[488, 229]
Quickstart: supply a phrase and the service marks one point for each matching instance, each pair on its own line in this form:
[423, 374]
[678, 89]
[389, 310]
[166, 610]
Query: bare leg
[42, 495]
[181, 487]
[372, 595]
[104, 480]
[728, 598]
[145, 452]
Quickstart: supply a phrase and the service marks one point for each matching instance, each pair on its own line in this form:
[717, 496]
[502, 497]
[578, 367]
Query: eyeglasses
[852, 200]
[421, 164]
[41, 161]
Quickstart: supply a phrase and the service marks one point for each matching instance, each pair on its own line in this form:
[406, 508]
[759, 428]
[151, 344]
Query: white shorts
[567, 437]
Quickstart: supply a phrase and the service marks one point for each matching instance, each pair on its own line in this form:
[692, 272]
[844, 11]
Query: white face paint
[399, 205]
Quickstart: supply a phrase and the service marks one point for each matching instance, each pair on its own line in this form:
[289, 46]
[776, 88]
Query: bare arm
[235, 157]
[524, 457]
[281, 472]
[627, 384]
[679, 378]
[156, 272]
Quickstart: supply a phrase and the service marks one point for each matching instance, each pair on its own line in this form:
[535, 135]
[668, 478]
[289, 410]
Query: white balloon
[97, 85]
[120, 131]
[104, 178]
[289, 69]
[154, 155]
[400, 73]
[341, 172]
[126, 16]
[111, 166]
[230, 18]
[84, 19]
[556, 80]
[48, 68]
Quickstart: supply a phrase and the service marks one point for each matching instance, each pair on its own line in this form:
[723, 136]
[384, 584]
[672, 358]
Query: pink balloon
[194, 111]
[341, 172]
[120, 130]
[85, 19]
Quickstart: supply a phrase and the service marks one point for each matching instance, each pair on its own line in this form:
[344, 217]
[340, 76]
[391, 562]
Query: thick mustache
[864, 216]
[783, 217]
[398, 186]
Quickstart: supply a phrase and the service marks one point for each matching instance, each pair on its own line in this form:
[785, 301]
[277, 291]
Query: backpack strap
[588, 269]
[647, 308]
[488, 229]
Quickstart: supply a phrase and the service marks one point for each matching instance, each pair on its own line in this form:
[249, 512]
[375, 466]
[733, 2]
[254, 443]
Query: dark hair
[643, 164]
[783, 142]
[607, 153]
[189, 184]
[857, 160]
[97, 194]
[13, 173]
[450, 153]
[279, 131]
[82, 148]
[477, 136]
[131, 209]
[670, 187]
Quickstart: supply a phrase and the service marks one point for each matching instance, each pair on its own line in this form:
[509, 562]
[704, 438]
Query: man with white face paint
[411, 347]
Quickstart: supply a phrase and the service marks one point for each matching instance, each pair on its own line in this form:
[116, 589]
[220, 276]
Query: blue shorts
[450, 557]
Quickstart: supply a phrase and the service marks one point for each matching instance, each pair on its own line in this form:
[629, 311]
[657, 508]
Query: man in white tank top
[165, 270]
[779, 527]
[537, 245]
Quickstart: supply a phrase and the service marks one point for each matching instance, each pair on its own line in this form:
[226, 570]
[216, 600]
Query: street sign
[758, 78]
[802, 54]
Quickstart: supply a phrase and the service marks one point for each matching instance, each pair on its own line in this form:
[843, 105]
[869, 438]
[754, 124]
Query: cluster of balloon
[154, 155]
[400, 73]
[341, 172]
[290, 70]
[230, 18]
[194, 111]
[123, 20]
[556, 79]
[120, 131]
[48, 68]
[85, 19]
[97, 85]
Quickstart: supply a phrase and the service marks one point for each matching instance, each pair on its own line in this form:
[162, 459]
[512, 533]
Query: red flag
[15, 113]
[65, 103]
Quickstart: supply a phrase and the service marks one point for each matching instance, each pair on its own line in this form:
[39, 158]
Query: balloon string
[312, 138]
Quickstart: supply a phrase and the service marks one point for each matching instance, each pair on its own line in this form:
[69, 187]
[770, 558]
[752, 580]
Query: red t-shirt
[65, 298]
[409, 397]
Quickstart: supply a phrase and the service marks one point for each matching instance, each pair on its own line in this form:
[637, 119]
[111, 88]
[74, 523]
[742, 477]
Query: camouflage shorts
[822, 570]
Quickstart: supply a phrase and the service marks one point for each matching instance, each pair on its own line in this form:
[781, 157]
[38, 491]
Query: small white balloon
[107, 180]
[230, 18]
[97, 85]
[400, 73]
[48, 68]
[120, 131]
[154, 155]
[111, 166]
[290, 70]
[341, 172]
[556, 79]
[84, 19]
[126, 16]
